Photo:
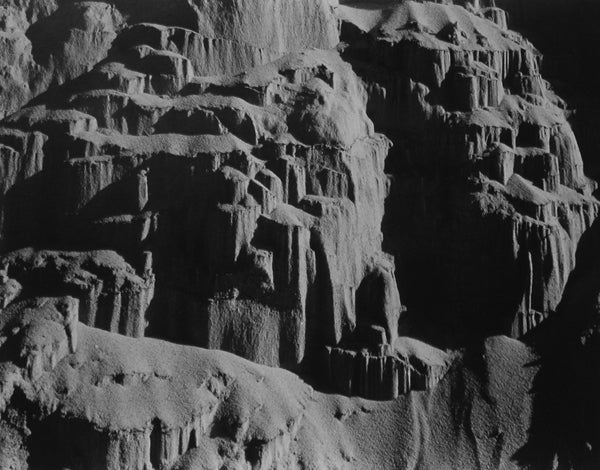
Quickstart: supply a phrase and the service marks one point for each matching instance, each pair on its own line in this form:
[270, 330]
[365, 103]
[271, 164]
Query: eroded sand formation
[206, 206]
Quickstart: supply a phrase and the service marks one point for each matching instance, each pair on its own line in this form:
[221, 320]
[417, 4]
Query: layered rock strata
[47, 43]
[385, 371]
[111, 294]
[227, 174]
[489, 181]
[260, 196]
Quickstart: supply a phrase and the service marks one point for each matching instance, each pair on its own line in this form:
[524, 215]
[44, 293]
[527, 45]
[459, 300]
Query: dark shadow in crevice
[564, 431]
